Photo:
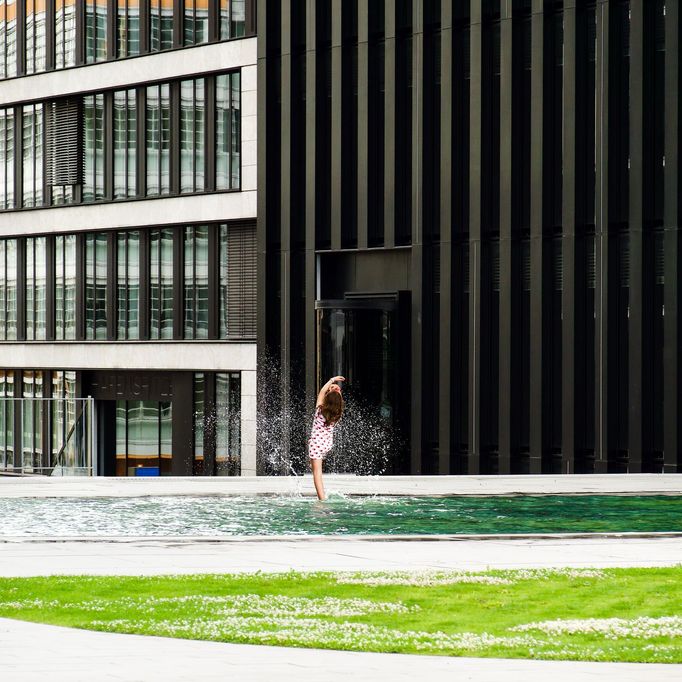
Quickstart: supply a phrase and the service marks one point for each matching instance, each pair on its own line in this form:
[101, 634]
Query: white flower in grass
[610, 628]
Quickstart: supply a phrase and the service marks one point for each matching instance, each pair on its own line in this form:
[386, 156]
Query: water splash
[365, 442]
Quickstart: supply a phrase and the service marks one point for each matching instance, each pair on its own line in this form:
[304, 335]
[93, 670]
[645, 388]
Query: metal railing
[47, 436]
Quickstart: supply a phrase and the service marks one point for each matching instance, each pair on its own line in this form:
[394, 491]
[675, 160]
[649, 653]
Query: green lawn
[571, 614]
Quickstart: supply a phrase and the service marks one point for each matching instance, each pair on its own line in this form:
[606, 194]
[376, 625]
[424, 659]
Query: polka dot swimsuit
[321, 437]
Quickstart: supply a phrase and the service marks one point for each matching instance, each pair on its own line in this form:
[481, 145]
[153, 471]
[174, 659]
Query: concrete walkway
[35, 653]
[41, 486]
[153, 556]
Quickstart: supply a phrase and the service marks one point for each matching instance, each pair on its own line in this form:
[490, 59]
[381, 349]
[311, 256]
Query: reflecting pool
[266, 515]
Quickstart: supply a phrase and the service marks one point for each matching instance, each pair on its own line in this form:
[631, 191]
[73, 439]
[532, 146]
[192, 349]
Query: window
[125, 144]
[65, 287]
[228, 424]
[127, 28]
[128, 285]
[160, 25]
[228, 131]
[65, 33]
[8, 289]
[143, 436]
[6, 419]
[36, 281]
[6, 158]
[232, 18]
[158, 139]
[35, 36]
[196, 282]
[192, 138]
[95, 286]
[63, 416]
[8, 38]
[32, 155]
[199, 418]
[32, 422]
[161, 284]
[93, 152]
[195, 23]
[95, 30]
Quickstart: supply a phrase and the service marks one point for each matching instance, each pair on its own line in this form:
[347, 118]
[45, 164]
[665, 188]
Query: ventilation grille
[495, 265]
[624, 261]
[659, 258]
[558, 269]
[63, 149]
[241, 281]
[591, 262]
[525, 264]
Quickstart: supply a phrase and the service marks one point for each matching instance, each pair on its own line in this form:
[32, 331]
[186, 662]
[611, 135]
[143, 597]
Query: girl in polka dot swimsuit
[328, 411]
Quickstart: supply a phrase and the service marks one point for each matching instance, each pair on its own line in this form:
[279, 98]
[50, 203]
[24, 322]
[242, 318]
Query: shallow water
[264, 515]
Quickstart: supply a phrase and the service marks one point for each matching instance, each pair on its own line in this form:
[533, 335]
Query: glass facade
[8, 289]
[93, 143]
[144, 430]
[161, 284]
[195, 22]
[127, 28]
[192, 135]
[196, 282]
[65, 287]
[232, 19]
[96, 21]
[35, 288]
[8, 38]
[125, 144]
[158, 117]
[6, 419]
[32, 447]
[96, 286]
[35, 35]
[160, 25]
[6, 158]
[32, 155]
[228, 130]
[63, 414]
[128, 285]
[65, 33]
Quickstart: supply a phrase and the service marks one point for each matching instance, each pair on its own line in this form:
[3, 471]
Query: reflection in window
[65, 287]
[8, 289]
[196, 282]
[93, 151]
[6, 419]
[228, 424]
[8, 38]
[199, 416]
[32, 154]
[161, 284]
[228, 131]
[192, 135]
[32, 422]
[125, 144]
[65, 33]
[95, 30]
[128, 285]
[158, 139]
[34, 34]
[195, 22]
[127, 28]
[143, 436]
[6, 158]
[232, 18]
[160, 25]
[63, 416]
[223, 277]
[95, 286]
[36, 280]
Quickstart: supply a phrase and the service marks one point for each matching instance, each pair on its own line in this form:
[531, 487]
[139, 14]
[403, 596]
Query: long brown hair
[332, 407]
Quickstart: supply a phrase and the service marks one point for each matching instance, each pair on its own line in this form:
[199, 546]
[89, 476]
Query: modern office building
[128, 236]
[471, 210]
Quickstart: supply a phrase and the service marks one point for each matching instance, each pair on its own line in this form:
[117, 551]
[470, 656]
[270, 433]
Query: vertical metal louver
[624, 261]
[525, 264]
[558, 265]
[241, 281]
[495, 265]
[659, 258]
[591, 261]
[436, 271]
[63, 150]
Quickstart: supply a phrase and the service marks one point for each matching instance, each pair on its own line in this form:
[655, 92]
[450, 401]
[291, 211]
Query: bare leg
[316, 465]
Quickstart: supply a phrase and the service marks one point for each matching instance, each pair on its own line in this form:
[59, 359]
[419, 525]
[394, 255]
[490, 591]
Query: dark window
[143, 436]
[228, 131]
[160, 25]
[35, 291]
[63, 416]
[63, 158]
[93, 152]
[237, 281]
[32, 422]
[128, 285]
[95, 30]
[6, 419]
[8, 289]
[161, 283]
[65, 287]
[192, 135]
[96, 286]
[232, 18]
[195, 22]
[127, 28]
[32, 154]
[196, 282]
[6, 158]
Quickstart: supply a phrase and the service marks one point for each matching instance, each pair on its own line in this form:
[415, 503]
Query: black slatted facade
[508, 170]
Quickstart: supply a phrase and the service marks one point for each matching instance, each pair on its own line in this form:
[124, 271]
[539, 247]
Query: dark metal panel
[144, 26]
[21, 289]
[209, 155]
[80, 33]
[637, 392]
[109, 145]
[141, 134]
[50, 288]
[210, 423]
[673, 279]
[20, 8]
[18, 157]
[418, 250]
[178, 22]
[80, 286]
[336, 188]
[112, 47]
[213, 283]
[390, 131]
[363, 122]
[446, 379]
[178, 283]
[539, 281]
[569, 317]
[112, 288]
[175, 137]
[475, 161]
[310, 199]
[183, 424]
[50, 35]
[507, 289]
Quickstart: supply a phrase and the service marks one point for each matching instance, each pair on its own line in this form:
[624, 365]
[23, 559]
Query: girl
[328, 411]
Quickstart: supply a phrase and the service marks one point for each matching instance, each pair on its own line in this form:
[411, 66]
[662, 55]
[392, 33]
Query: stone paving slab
[40, 486]
[35, 653]
[154, 556]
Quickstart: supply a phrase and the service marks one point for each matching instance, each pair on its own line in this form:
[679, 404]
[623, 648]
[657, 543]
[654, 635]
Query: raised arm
[326, 388]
